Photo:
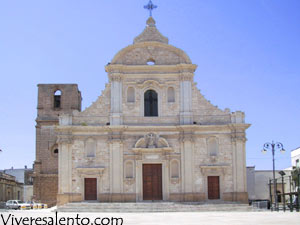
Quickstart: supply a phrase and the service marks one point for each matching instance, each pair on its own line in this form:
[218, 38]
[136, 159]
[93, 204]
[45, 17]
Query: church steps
[152, 207]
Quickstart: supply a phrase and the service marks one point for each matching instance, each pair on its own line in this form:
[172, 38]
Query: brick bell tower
[53, 100]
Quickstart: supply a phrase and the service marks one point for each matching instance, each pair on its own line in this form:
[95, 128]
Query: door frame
[139, 178]
[219, 193]
[96, 188]
[160, 166]
[221, 184]
[81, 188]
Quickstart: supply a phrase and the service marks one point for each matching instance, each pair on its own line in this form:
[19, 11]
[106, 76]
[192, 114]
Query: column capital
[65, 139]
[115, 77]
[115, 138]
[186, 76]
[187, 138]
[238, 137]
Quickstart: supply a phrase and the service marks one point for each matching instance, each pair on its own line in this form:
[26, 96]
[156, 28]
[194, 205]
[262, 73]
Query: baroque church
[150, 136]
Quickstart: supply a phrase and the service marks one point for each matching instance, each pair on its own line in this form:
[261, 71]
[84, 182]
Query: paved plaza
[205, 218]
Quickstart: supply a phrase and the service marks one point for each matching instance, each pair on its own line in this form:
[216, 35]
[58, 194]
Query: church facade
[150, 136]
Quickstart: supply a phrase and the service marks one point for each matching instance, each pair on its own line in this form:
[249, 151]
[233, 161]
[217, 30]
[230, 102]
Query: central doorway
[90, 189]
[152, 182]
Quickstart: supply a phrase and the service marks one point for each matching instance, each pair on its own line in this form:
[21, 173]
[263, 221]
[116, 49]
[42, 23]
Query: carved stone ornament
[240, 137]
[174, 180]
[115, 77]
[186, 77]
[213, 159]
[214, 168]
[152, 142]
[150, 83]
[129, 181]
[97, 171]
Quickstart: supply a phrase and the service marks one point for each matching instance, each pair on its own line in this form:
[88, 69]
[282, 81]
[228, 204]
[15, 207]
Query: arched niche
[90, 147]
[213, 146]
[175, 171]
[130, 95]
[171, 94]
[129, 170]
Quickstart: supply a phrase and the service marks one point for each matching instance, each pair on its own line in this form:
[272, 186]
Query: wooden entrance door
[90, 188]
[152, 182]
[213, 187]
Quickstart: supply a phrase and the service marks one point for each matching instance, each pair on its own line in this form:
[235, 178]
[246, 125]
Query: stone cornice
[240, 126]
[208, 166]
[152, 150]
[178, 128]
[179, 68]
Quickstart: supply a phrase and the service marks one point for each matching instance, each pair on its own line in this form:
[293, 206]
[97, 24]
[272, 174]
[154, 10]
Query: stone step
[153, 207]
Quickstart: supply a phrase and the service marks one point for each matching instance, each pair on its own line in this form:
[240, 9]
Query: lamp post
[273, 146]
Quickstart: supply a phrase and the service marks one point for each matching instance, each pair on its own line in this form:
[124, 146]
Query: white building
[258, 183]
[295, 157]
[23, 176]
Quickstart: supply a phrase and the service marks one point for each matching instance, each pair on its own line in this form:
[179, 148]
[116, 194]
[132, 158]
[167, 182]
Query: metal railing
[287, 194]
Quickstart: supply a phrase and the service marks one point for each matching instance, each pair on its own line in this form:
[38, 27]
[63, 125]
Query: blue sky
[247, 52]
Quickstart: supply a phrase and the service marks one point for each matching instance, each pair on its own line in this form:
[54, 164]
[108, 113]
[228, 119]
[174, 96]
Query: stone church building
[151, 135]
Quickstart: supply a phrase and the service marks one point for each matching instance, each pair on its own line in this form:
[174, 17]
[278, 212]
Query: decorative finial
[150, 7]
[151, 22]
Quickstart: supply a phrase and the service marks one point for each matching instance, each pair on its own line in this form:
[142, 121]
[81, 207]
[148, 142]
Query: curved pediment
[151, 142]
[159, 53]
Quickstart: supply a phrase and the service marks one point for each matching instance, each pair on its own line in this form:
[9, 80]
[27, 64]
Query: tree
[295, 177]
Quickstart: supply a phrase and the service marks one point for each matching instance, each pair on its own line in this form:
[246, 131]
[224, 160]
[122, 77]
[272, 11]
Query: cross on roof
[150, 7]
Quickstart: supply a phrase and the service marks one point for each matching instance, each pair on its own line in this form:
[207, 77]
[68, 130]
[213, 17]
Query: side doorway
[90, 189]
[213, 187]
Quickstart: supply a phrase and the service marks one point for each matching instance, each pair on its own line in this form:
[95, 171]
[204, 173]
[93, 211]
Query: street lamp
[273, 146]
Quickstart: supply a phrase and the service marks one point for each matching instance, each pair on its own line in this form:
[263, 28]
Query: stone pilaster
[116, 167]
[186, 116]
[239, 166]
[187, 166]
[116, 99]
[64, 168]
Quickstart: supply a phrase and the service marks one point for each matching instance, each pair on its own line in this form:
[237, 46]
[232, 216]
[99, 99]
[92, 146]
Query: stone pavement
[203, 218]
